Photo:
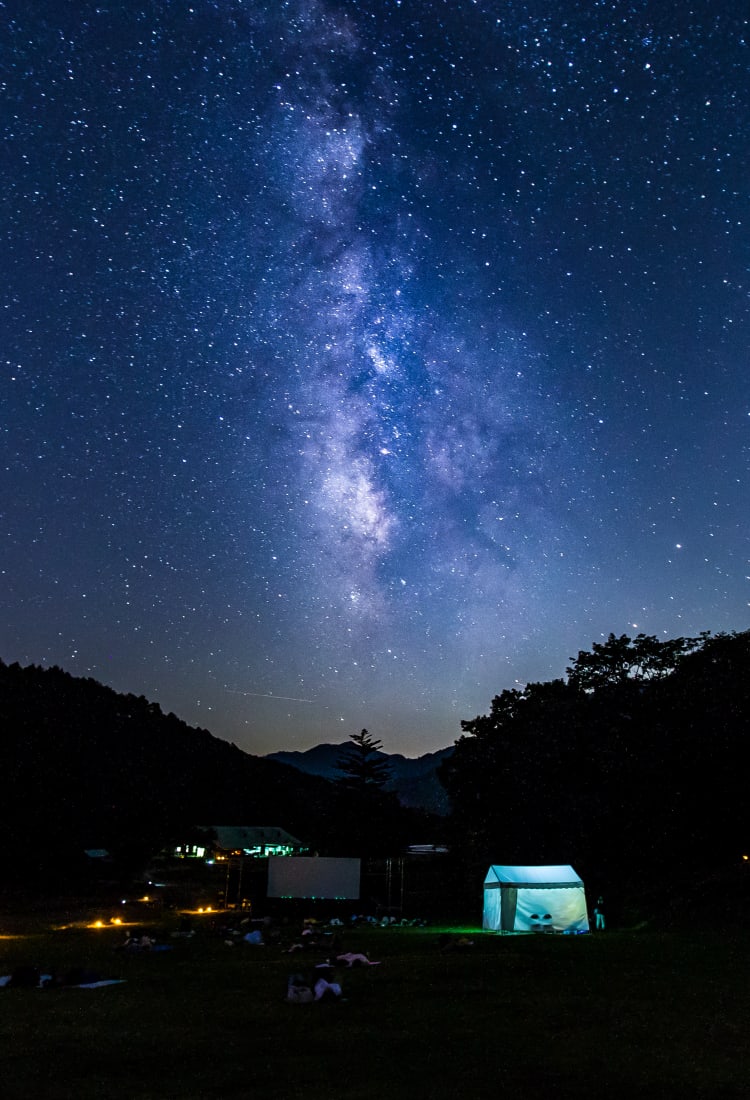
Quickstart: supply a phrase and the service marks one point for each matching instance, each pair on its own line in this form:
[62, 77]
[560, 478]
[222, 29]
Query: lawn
[615, 1015]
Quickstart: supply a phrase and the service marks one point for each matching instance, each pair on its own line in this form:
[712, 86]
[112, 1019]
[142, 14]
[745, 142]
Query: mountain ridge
[413, 779]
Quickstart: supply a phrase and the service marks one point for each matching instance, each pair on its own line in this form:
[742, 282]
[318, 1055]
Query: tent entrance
[508, 906]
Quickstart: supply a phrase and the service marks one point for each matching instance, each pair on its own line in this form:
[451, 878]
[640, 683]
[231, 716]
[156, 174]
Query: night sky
[363, 359]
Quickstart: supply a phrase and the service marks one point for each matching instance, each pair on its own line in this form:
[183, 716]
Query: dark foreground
[616, 1015]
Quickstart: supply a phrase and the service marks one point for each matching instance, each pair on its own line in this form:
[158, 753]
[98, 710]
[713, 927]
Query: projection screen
[313, 877]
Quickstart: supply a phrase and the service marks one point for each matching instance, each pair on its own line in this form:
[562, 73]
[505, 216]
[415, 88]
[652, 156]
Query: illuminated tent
[534, 899]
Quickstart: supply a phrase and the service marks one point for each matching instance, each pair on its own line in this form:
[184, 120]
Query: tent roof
[554, 875]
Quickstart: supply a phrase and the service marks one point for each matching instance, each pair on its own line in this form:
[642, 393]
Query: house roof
[233, 837]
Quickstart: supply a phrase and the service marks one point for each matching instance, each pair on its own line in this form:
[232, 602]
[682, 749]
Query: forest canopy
[633, 765]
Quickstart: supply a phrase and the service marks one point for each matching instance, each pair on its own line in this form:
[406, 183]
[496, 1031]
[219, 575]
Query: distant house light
[189, 851]
[254, 841]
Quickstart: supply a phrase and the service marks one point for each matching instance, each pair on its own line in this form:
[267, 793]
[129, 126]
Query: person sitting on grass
[27, 977]
[298, 990]
[447, 944]
[137, 941]
[142, 943]
[326, 987]
[352, 957]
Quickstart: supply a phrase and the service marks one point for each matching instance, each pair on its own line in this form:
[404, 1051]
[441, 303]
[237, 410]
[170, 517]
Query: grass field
[621, 1014]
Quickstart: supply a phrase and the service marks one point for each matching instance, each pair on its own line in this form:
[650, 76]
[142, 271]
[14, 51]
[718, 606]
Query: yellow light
[116, 920]
[146, 898]
[746, 858]
[97, 924]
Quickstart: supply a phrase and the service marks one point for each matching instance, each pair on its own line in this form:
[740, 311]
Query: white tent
[534, 899]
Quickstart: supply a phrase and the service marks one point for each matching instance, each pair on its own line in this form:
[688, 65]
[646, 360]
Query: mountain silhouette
[413, 780]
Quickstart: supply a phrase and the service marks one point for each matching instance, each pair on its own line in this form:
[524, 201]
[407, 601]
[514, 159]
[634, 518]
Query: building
[223, 842]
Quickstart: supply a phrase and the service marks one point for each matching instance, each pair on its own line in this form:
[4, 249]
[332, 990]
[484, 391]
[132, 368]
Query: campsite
[449, 1011]
[631, 787]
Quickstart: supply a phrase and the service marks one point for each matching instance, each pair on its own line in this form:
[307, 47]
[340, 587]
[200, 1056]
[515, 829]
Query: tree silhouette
[612, 663]
[361, 764]
[637, 764]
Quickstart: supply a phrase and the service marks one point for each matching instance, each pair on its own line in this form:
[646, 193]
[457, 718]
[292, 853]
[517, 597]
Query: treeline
[85, 767]
[634, 768]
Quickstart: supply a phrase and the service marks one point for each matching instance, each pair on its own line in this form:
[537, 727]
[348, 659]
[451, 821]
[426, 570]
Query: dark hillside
[84, 766]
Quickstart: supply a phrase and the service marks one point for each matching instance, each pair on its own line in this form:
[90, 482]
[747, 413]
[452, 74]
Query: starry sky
[362, 358]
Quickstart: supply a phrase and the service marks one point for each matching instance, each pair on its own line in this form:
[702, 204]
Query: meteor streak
[270, 695]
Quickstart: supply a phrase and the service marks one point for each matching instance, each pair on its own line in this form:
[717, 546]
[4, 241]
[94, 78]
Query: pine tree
[361, 764]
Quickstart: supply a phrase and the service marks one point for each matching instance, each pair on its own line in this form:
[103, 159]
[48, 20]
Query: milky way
[364, 359]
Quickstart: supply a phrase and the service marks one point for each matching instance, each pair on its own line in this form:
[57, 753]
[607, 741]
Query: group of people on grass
[34, 977]
[323, 984]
